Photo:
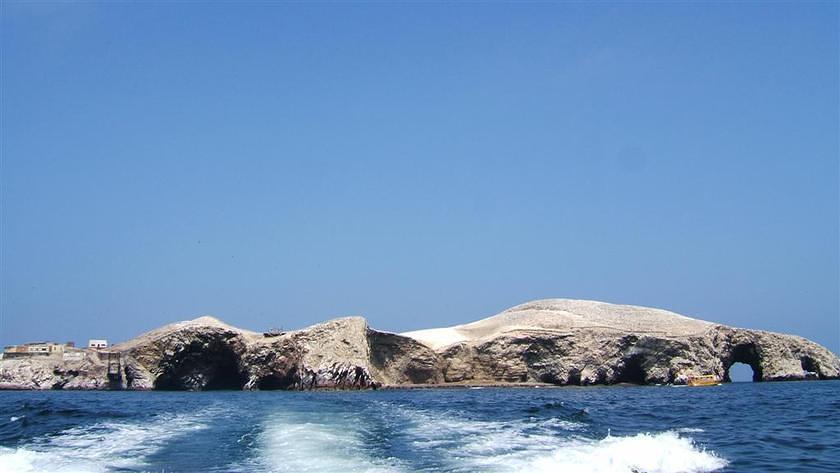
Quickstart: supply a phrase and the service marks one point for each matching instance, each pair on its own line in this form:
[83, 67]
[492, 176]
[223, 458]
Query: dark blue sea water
[734, 428]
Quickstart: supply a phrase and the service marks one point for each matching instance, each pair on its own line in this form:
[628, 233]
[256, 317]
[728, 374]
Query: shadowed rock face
[208, 365]
[206, 354]
[403, 360]
[553, 341]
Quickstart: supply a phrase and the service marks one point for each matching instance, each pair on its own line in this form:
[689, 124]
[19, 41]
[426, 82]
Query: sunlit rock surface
[555, 341]
[563, 341]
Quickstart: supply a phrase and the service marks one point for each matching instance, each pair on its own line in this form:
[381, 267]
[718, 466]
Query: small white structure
[73, 355]
[97, 344]
[44, 348]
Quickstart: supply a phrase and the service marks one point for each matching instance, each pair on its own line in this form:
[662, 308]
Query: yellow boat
[703, 380]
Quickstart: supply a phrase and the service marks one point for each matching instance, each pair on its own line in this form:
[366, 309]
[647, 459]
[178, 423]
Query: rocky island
[554, 341]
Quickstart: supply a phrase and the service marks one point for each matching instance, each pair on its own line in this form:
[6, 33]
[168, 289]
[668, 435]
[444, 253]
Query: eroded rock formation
[561, 341]
[554, 341]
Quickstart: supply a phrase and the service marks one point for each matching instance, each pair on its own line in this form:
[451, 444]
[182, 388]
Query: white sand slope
[565, 315]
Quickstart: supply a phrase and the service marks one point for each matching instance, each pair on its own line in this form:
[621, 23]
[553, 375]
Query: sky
[422, 165]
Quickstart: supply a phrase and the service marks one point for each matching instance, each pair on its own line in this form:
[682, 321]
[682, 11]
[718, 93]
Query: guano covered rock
[556, 341]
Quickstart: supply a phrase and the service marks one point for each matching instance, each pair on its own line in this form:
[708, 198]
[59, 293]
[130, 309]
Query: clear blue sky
[421, 165]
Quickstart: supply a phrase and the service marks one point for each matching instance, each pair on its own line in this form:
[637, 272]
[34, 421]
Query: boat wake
[405, 439]
[383, 437]
[553, 444]
[101, 447]
[665, 452]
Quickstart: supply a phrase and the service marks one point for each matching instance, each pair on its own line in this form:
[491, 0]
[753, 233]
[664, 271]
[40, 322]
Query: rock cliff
[561, 341]
[554, 341]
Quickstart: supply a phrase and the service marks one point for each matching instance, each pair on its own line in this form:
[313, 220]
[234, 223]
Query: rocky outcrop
[53, 372]
[403, 360]
[553, 341]
[207, 354]
[562, 341]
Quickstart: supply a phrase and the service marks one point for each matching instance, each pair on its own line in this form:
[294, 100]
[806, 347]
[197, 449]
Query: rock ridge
[554, 341]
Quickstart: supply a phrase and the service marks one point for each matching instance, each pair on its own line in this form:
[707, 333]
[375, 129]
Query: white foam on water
[22, 460]
[563, 424]
[99, 447]
[550, 445]
[290, 444]
[664, 452]
[435, 441]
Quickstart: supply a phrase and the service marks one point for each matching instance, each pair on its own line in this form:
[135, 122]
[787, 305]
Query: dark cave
[202, 368]
[275, 382]
[632, 371]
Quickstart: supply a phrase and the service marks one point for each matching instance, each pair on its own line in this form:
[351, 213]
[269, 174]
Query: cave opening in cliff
[744, 364]
[274, 382]
[574, 376]
[202, 367]
[809, 367]
[632, 371]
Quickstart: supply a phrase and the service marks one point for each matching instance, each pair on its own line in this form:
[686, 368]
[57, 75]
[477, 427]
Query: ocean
[739, 427]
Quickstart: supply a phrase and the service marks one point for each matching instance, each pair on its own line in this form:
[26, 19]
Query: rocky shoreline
[543, 343]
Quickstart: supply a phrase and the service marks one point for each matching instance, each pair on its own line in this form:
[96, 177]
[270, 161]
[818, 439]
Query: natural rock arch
[748, 354]
[212, 365]
[740, 372]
